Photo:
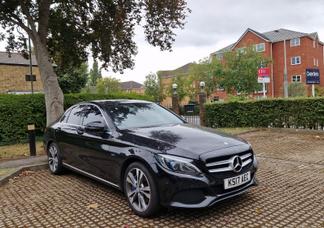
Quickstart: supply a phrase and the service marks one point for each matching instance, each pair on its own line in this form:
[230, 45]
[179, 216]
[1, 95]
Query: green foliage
[95, 74]
[73, 79]
[16, 111]
[108, 85]
[204, 71]
[69, 28]
[319, 91]
[183, 86]
[302, 112]
[296, 89]
[152, 87]
[240, 71]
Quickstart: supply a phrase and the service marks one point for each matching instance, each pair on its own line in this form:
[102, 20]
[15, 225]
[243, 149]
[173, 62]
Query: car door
[69, 137]
[96, 152]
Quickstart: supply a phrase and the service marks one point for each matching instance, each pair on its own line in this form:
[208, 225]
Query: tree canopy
[65, 31]
[108, 85]
[152, 87]
[72, 80]
[95, 74]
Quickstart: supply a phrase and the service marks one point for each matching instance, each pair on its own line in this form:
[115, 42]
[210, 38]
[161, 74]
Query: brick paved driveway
[290, 194]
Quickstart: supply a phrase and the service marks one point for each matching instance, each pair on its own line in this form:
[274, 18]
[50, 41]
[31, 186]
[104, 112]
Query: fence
[194, 120]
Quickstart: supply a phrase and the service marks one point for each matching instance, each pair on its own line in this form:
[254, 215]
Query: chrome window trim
[90, 175]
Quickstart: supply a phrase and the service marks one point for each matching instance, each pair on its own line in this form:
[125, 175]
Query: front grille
[223, 164]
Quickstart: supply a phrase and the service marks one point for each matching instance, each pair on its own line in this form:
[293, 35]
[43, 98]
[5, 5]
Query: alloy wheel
[138, 189]
[53, 158]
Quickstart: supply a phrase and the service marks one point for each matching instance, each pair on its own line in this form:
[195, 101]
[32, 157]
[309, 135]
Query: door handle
[80, 130]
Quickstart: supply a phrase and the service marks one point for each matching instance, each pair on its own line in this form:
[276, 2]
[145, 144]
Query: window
[65, 116]
[295, 60]
[241, 50]
[92, 114]
[295, 42]
[140, 115]
[260, 47]
[314, 44]
[296, 78]
[75, 116]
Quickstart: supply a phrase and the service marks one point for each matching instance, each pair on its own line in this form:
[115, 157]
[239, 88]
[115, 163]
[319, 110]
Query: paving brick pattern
[290, 194]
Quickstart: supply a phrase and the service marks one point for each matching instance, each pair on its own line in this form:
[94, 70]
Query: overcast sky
[214, 24]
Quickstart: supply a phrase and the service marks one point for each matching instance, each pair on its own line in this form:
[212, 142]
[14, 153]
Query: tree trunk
[54, 98]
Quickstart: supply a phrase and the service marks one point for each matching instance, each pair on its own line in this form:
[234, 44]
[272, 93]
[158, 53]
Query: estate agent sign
[312, 77]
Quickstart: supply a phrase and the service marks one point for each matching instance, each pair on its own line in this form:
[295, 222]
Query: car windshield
[140, 115]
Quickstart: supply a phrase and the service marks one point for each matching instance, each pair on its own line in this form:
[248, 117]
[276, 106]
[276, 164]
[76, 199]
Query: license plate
[233, 182]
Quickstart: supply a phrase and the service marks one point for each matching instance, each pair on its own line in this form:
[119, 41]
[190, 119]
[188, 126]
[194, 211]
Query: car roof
[117, 101]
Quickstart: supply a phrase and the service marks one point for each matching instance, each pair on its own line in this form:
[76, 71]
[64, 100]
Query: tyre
[54, 159]
[140, 190]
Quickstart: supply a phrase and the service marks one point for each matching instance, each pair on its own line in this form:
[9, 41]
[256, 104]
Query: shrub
[297, 89]
[298, 113]
[17, 111]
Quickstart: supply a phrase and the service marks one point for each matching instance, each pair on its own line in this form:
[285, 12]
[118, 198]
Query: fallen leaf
[93, 206]
[26, 173]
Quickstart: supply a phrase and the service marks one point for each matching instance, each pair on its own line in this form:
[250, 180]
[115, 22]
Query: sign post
[312, 78]
[263, 77]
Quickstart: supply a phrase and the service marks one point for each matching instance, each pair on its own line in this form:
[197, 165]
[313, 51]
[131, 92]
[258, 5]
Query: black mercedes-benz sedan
[151, 154]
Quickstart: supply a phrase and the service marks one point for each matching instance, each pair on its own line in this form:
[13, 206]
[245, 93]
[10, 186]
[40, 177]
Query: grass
[236, 130]
[5, 171]
[19, 150]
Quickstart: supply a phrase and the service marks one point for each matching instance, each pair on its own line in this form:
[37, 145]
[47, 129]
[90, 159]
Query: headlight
[177, 164]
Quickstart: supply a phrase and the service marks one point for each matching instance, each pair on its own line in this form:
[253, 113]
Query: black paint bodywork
[106, 157]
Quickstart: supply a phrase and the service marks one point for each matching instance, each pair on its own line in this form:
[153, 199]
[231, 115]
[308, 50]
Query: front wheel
[54, 159]
[140, 190]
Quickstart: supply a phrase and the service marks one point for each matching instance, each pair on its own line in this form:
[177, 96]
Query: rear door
[69, 137]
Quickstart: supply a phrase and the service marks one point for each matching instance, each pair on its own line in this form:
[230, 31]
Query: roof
[271, 36]
[130, 85]
[283, 34]
[15, 59]
[181, 70]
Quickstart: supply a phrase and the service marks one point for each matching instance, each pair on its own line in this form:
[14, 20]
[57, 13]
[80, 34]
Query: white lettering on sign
[312, 74]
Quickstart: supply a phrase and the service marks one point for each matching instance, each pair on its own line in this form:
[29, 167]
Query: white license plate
[233, 182]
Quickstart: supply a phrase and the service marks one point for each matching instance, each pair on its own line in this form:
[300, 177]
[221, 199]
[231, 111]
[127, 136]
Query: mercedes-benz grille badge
[237, 164]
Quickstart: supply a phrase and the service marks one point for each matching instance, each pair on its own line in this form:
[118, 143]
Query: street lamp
[202, 86]
[174, 87]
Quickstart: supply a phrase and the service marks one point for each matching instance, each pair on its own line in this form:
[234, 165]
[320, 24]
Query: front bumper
[197, 192]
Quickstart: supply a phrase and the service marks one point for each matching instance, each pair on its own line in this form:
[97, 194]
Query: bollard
[32, 139]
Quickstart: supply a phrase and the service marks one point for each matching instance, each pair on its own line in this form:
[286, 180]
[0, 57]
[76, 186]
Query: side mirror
[95, 127]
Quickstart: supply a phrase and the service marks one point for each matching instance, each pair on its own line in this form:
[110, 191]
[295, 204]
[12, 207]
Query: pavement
[11, 168]
[290, 194]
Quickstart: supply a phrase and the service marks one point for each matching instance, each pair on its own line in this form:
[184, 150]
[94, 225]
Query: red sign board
[263, 72]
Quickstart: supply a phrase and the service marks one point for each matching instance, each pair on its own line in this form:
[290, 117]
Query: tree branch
[44, 11]
[30, 20]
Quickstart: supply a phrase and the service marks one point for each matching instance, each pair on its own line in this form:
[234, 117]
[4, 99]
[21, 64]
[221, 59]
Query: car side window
[75, 116]
[92, 114]
[65, 116]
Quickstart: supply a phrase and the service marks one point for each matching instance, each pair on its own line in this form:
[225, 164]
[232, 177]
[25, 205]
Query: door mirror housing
[95, 127]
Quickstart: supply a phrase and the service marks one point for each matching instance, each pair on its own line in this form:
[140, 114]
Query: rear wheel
[54, 159]
[140, 190]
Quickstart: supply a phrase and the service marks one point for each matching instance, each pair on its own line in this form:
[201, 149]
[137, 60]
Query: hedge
[280, 113]
[17, 111]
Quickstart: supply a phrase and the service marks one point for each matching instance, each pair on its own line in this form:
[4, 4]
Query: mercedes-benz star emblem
[237, 164]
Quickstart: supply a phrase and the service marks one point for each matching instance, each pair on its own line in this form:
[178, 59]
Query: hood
[182, 140]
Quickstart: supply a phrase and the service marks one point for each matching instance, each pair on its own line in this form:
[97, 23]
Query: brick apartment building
[296, 50]
[13, 69]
